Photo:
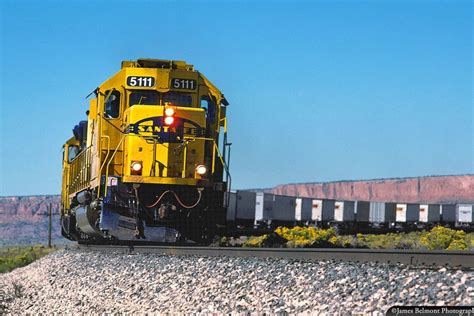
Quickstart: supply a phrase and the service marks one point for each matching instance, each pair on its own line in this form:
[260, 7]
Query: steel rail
[452, 259]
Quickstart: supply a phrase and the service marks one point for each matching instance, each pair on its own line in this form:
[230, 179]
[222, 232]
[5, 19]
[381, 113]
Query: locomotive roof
[157, 63]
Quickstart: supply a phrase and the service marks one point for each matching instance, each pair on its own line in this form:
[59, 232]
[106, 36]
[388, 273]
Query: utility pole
[50, 223]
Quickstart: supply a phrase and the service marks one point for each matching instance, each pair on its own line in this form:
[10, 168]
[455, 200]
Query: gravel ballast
[77, 281]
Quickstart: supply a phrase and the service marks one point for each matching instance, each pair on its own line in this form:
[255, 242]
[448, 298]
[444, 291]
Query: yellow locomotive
[150, 162]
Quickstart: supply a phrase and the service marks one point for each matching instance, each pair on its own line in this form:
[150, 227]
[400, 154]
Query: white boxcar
[259, 207]
[464, 213]
[424, 213]
[298, 207]
[317, 210]
[401, 215]
[339, 211]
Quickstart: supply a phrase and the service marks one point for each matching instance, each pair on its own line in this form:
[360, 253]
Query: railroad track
[452, 259]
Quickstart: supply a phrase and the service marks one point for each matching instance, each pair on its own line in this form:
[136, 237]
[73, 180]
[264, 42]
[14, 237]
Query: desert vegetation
[438, 238]
[14, 257]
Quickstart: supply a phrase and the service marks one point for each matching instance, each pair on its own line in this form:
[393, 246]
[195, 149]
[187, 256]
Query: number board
[138, 81]
[188, 84]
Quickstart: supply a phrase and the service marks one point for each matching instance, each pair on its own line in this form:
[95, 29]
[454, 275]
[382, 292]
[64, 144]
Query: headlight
[168, 115]
[136, 167]
[169, 112]
[201, 170]
[169, 120]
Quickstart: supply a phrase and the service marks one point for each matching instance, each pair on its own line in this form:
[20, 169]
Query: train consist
[264, 210]
[150, 161]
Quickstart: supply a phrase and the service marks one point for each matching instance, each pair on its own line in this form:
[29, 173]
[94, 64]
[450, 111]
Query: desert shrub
[457, 245]
[223, 242]
[306, 236]
[343, 241]
[470, 240]
[298, 237]
[409, 241]
[255, 241]
[405, 244]
[11, 258]
[387, 241]
[440, 238]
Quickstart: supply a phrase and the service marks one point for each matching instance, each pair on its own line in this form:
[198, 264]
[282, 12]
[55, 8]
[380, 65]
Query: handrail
[220, 157]
[108, 148]
[215, 148]
[77, 157]
[108, 164]
[78, 171]
[185, 160]
[105, 160]
[224, 119]
[224, 164]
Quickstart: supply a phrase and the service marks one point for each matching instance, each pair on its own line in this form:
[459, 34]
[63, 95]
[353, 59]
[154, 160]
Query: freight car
[267, 211]
[150, 161]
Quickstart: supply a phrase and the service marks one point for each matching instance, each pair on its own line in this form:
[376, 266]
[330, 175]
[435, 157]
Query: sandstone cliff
[24, 220]
[28, 206]
[430, 189]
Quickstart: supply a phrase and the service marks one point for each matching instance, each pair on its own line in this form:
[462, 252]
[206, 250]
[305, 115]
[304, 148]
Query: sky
[318, 90]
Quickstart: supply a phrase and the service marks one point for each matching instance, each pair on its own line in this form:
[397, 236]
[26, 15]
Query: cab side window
[73, 151]
[209, 106]
[204, 104]
[112, 104]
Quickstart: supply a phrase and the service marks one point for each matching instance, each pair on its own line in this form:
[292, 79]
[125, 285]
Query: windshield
[151, 97]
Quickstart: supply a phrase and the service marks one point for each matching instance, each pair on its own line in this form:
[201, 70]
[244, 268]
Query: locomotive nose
[166, 146]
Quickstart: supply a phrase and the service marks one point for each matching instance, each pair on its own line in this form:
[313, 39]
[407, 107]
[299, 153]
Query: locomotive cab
[150, 165]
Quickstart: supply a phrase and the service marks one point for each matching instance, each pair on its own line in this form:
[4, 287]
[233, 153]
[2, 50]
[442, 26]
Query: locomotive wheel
[68, 228]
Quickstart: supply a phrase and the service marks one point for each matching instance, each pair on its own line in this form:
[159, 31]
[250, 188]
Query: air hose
[177, 199]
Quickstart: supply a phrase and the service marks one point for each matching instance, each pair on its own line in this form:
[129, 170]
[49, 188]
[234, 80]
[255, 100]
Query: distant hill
[429, 189]
[28, 206]
[24, 220]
